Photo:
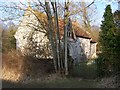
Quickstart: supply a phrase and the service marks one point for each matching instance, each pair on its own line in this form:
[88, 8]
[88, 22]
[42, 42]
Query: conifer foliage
[107, 33]
[107, 41]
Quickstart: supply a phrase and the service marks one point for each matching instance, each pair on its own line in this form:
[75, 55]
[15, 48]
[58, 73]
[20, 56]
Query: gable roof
[79, 31]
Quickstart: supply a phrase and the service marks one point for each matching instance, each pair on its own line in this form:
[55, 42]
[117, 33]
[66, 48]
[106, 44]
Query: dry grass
[12, 66]
[16, 67]
[37, 73]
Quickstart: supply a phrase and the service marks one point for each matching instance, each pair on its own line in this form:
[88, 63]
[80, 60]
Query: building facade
[31, 25]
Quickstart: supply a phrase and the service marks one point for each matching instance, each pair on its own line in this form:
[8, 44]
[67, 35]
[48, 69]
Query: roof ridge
[79, 30]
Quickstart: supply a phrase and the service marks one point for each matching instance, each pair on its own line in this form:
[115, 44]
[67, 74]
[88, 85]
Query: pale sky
[100, 4]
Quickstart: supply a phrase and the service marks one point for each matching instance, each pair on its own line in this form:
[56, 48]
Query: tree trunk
[57, 36]
[50, 33]
[65, 36]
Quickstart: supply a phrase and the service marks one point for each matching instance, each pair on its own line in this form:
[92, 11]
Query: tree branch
[90, 3]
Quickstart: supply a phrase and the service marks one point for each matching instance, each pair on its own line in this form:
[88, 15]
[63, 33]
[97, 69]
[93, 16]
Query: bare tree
[51, 26]
[65, 34]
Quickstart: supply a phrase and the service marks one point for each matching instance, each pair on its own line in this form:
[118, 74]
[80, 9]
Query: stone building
[83, 47]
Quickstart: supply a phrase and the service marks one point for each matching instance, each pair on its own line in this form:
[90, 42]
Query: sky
[100, 4]
[101, 9]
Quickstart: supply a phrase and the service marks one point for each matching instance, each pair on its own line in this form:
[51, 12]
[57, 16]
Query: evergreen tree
[117, 43]
[107, 39]
[117, 18]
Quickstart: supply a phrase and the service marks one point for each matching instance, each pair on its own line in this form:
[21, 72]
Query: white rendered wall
[85, 44]
[26, 27]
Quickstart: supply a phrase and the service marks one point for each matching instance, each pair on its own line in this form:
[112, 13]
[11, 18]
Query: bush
[86, 70]
[16, 67]
[12, 66]
[8, 40]
[37, 67]
[104, 67]
[100, 66]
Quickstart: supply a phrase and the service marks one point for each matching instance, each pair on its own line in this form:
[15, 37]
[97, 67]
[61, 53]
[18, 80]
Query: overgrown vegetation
[109, 60]
[12, 65]
[87, 70]
[16, 67]
[8, 39]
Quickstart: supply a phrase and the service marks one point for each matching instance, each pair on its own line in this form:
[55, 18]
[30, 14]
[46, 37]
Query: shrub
[17, 67]
[104, 67]
[100, 61]
[8, 40]
[12, 65]
[85, 70]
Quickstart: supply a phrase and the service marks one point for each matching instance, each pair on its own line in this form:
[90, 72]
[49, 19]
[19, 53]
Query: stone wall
[27, 28]
[85, 44]
[30, 27]
[93, 50]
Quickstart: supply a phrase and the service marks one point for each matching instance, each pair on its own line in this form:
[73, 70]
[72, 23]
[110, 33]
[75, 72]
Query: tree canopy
[109, 43]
